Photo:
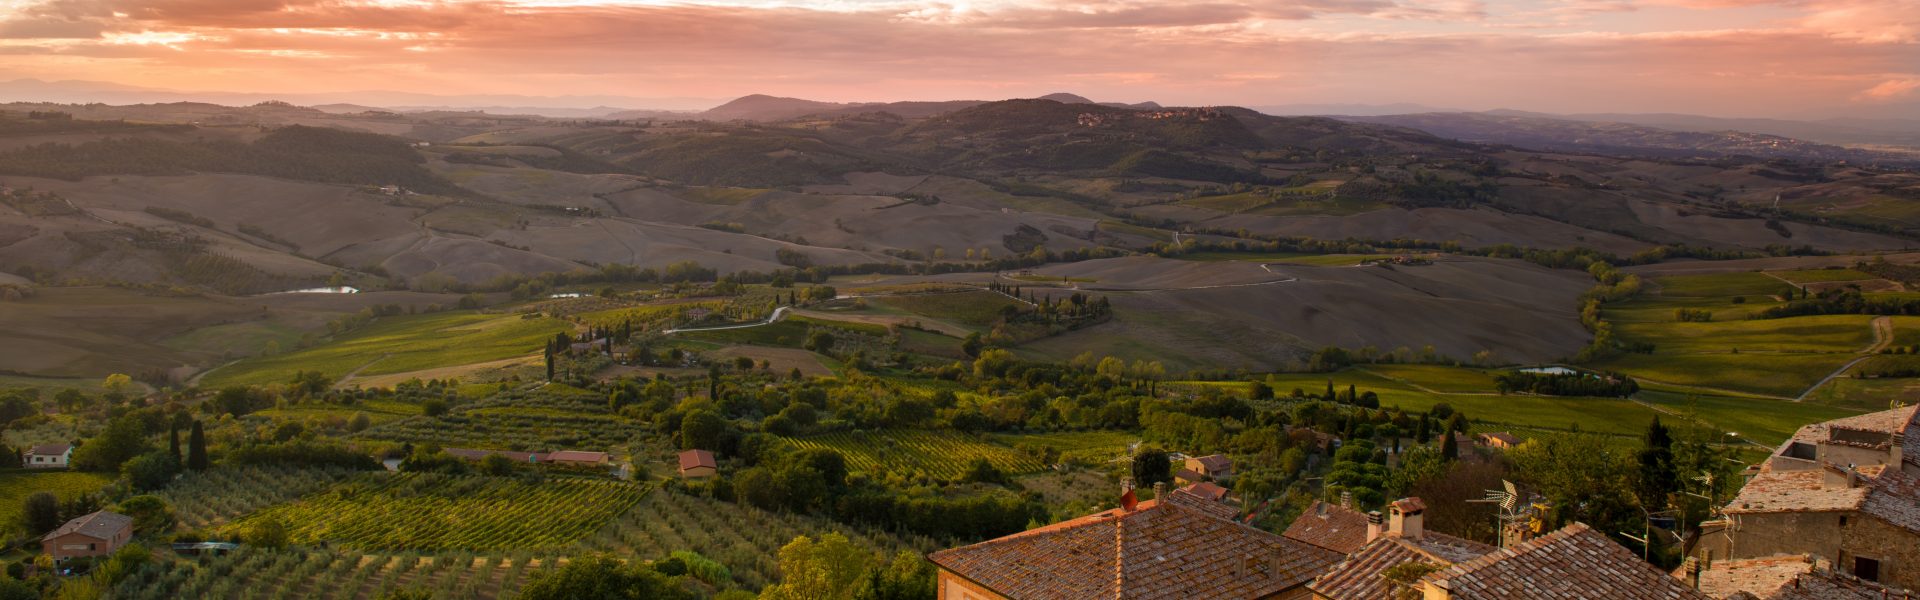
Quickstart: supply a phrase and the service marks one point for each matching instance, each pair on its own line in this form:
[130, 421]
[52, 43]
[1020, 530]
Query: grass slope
[401, 344]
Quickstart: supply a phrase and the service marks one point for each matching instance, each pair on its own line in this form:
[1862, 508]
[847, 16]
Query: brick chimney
[1836, 476]
[1159, 493]
[1408, 518]
[1346, 499]
[1376, 525]
[1895, 453]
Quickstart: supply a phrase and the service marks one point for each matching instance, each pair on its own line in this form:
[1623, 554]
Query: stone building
[1844, 491]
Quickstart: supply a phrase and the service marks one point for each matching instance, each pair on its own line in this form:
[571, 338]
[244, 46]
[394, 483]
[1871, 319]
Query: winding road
[778, 313]
[1882, 337]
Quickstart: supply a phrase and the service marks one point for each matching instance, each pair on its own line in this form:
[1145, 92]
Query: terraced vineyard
[334, 574]
[519, 421]
[414, 511]
[745, 539]
[940, 454]
[213, 497]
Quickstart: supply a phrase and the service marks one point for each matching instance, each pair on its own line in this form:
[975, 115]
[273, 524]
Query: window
[1843, 520]
[1866, 568]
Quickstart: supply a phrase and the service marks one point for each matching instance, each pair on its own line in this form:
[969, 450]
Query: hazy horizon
[1746, 58]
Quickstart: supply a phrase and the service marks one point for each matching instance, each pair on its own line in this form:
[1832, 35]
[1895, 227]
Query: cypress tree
[173, 443]
[1658, 477]
[1330, 397]
[1449, 447]
[549, 363]
[197, 448]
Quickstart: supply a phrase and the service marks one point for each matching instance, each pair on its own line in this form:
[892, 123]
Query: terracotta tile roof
[1795, 491]
[1330, 526]
[1503, 437]
[1359, 576]
[101, 525]
[1790, 577]
[1899, 420]
[1175, 548]
[1206, 490]
[1574, 563]
[693, 459]
[1215, 462]
[1888, 493]
[1188, 475]
[50, 449]
[576, 456]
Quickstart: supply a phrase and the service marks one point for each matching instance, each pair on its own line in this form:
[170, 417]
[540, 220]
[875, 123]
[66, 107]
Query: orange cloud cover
[1718, 56]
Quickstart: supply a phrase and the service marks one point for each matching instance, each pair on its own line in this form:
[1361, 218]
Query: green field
[1822, 275]
[1720, 284]
[1840, 334]
[1774, 357]
[1292, 258]
[972, 309]
[412, 511]
[1438, 378]
[1308, 200]
[1866, 394]
[790, 332]
[930, 344]
[16, 485]
[724, 196]
[1785, 375]
[1489, 411]
[939, 454]
[401, 344]
[1767, 422]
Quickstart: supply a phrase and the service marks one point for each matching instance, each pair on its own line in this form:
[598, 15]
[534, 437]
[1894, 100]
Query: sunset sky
[1723, 57]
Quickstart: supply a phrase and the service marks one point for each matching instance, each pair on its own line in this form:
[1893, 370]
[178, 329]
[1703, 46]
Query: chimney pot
[1376, 525]
[1346, 499]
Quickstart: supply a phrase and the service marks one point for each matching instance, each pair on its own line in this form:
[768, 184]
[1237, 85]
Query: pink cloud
[1889, 90]
[1437, 52]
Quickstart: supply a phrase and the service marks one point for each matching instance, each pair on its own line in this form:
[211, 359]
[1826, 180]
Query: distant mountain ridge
[763, 107]
[1539, 132]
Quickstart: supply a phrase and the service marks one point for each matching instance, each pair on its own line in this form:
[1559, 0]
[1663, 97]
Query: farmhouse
[1216, 467]
[1499, 439]
[94, 534]
[695, 464]
[577, 458]
[1206, 490]
[1176, 546]
[1845, 491]
[1188, 477]
[48, 456]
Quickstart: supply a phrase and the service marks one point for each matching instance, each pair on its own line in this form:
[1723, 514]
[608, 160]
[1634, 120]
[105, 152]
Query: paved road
[778, 313]
[1882, 337]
